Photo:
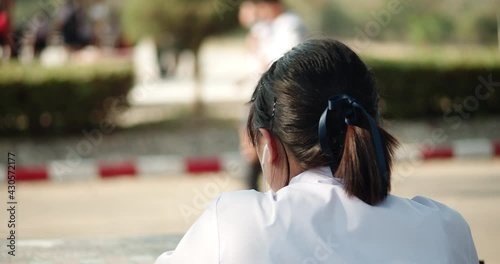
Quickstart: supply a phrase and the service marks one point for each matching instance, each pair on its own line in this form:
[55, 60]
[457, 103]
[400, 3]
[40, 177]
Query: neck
[295, 167]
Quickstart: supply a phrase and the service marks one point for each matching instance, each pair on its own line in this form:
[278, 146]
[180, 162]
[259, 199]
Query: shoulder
[238, 207]
[248, 209]
[452, 222]
[423, 211]
[447, 213]
[243, 200]
[455, 228]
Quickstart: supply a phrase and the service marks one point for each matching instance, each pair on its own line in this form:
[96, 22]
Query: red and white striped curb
[63, 170]
[461, 149]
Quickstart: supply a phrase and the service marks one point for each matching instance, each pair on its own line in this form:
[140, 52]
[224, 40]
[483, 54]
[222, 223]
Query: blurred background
[125, 116]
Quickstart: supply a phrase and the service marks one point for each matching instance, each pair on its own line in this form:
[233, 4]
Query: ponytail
[365, 157]
[359, 168]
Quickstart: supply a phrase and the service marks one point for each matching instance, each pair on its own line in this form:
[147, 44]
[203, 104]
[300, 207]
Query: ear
[268, 139]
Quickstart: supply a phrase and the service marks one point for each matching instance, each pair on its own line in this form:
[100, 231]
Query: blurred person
[5, 29]
[258, 35]
[35, 40]
[258, 32]
[41, 36]
[100, 15]
[73, 24]
[272, 31]
[285, 30]
[315, 123]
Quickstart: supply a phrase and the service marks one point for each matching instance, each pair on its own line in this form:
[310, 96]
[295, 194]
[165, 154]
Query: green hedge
[35, 100]
[423, 88]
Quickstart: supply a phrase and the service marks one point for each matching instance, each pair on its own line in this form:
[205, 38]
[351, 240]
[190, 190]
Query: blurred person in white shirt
[272, 32]
[285, 30]
[258, 33]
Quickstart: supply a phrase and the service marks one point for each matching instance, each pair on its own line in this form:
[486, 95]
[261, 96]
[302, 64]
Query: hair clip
[274, 112]
[274, 107]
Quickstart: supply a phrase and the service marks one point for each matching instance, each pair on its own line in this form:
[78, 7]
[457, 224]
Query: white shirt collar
[317, 175]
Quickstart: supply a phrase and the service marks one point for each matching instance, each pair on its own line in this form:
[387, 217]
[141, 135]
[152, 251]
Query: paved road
[133, 220]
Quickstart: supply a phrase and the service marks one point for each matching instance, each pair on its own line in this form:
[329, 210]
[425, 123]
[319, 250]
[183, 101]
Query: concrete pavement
[142, 250]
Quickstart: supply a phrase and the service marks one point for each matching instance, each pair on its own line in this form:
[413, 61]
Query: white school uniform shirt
[312, 220]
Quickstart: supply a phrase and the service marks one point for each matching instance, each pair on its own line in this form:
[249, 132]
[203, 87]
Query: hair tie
[344, 110]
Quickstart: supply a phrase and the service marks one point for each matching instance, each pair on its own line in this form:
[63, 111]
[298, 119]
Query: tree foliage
[424, 21]
[185, 23]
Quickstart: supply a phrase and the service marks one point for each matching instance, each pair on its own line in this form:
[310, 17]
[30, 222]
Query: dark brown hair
[292, 95]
